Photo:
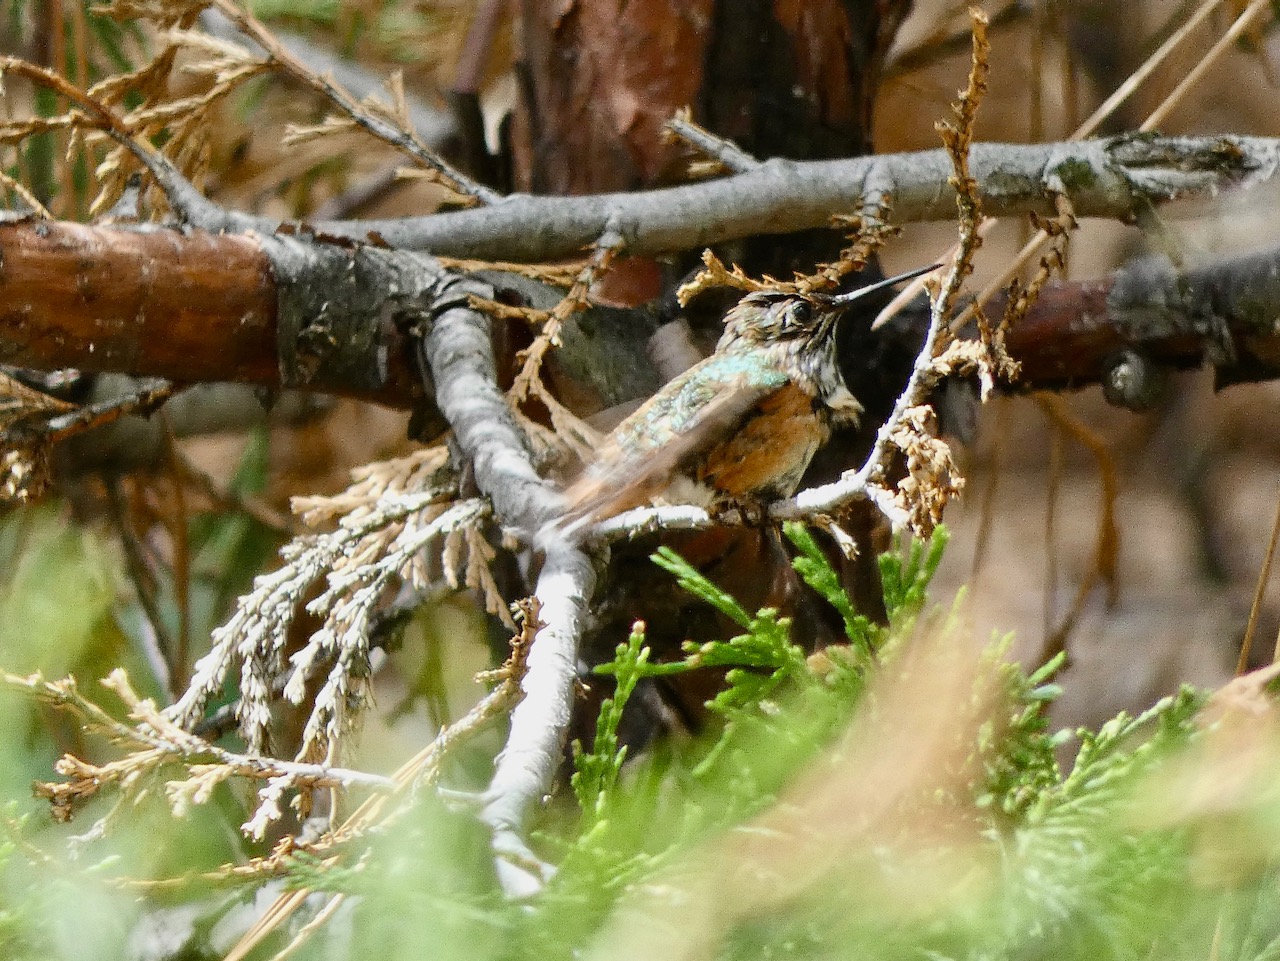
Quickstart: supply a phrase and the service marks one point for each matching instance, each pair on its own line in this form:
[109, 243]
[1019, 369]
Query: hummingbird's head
[797, 320]
[766, 317]
[795, 332]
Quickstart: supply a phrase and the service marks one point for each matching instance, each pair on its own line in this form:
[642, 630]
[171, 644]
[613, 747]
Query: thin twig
[944, 42]
[179, 532]
[311, 927]
[1139, 76]
[1053, 485]
[1107, 543]
[478, 46]
[1255, 608]
[718, 148]
[1224, 43]
[432, 125]
[157, 645]
[397, 136]
[180, 192]
[143, 401]
[987, 506]
[253, 505]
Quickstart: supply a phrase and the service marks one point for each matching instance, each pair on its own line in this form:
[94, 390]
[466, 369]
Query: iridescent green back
[701, 393]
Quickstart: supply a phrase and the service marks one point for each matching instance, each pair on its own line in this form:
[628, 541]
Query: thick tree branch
[1226, 313]
[198, 307]
[156, 303]
[193, 307]
[1116, 177]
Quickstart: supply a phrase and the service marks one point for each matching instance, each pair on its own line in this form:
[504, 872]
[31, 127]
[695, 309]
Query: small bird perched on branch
[743, 424]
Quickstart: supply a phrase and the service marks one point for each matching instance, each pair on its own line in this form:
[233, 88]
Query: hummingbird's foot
[754, 511]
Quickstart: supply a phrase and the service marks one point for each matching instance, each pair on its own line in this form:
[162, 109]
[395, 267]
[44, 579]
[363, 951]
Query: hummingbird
[740, 426]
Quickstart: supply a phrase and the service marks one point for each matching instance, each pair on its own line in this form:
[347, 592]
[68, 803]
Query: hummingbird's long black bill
[842, 299]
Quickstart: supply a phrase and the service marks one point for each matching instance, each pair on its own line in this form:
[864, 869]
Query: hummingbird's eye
[801, 312]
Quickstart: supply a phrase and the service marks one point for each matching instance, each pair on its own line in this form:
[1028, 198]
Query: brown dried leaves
[933, 477]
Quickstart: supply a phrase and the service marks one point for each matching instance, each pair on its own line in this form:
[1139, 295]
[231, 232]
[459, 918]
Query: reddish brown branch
[1067, 336]
[1224, 313]
[193, 307]
[187, 306]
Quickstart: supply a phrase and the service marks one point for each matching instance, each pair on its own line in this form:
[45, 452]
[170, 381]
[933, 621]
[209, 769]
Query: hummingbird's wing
[690, 415]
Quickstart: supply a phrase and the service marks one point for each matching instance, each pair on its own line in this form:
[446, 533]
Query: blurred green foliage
[762, 838]
[57, 603]
[62, 595]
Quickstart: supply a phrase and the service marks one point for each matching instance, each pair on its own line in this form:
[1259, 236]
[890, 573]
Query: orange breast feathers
[771, 450]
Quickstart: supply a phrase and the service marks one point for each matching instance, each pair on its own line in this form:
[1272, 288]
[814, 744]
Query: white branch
[459, 354]
[534, 749]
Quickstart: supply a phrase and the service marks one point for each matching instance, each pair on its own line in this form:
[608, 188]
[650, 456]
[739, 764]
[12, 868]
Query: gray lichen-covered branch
[1116, 177]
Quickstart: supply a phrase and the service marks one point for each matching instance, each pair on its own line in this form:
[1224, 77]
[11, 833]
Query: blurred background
[1196, 478]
